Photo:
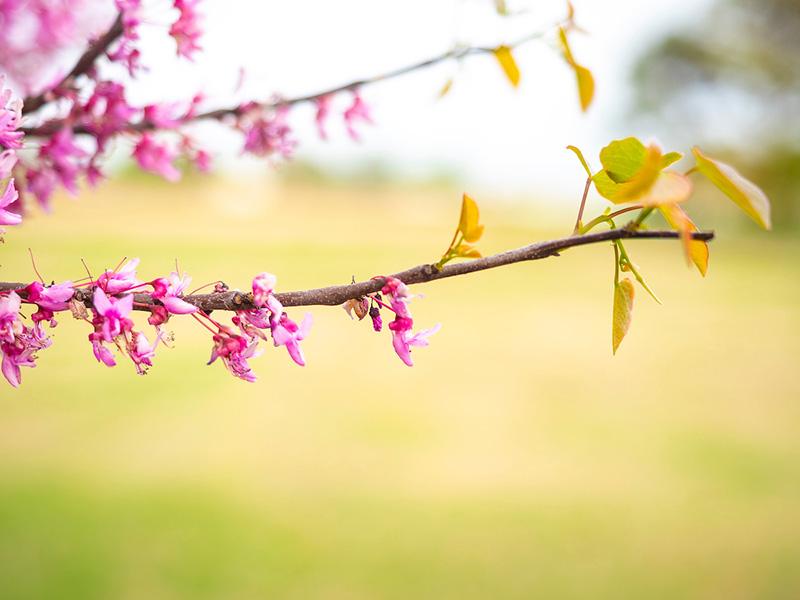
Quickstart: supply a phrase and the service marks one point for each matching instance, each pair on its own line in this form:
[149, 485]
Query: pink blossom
[202, 160]
[186, 30]
[263, 287]
[323, 104]
[121, 280]
[10, 117]
[286, 332]
[142, 351]
[358, 111]
[42, 183]
[10, 324]
[162, 116]
[265, 137]
[112, 314]
[20, 350]
[65, 157]
[52, 298]
[107, 112]
[402, 340]
[169, 289]
[101, 353]
[401, 326]
[9, 197]
[234, 350]
[156, 158]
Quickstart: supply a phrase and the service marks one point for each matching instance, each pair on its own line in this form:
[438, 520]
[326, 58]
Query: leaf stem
[577, 228]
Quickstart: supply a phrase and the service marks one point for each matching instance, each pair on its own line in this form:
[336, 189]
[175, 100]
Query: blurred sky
[493, 137]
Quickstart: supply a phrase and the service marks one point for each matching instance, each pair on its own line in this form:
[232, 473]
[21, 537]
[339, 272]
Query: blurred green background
[518, 459]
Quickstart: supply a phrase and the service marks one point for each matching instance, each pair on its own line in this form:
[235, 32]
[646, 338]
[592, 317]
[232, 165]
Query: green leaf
[742, 191]
[670, 158]
[623, 159]
[621, 316]
[633, 172]
[507, 62]
[579, 154]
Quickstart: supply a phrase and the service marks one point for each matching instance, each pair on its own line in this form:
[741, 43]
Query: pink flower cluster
[115, 294]
[398, 295]
[86, 112]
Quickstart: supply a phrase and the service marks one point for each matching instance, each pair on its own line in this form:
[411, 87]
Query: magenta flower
[49, 299]
[402, 338]
[10, 117]
[42, 183]
[20, 350]
[65, 157]
[323, 104]
[121, 280]
[234, 350]
[186, 30]
[10, 324]
[168, 290]
[263, 287]
[358, 111]
[286, 332]
[9, 197]
[142, 351]
[112, 314]
[162, 115]
[265, 137]
[156, 158]
[101, 353]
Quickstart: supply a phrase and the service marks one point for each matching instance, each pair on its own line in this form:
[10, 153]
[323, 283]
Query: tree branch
[51, 127]
[84, 64]
[338, 294]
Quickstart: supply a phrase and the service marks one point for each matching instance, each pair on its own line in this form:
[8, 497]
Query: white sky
[498, 138]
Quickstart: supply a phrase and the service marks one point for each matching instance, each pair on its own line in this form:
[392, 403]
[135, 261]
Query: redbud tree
[57, 125]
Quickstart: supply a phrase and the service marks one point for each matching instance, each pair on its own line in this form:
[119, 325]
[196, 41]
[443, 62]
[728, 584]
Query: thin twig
[338, 294]
[84, 65]
[51, 127]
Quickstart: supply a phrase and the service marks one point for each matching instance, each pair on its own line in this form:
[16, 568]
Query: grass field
[518, 459]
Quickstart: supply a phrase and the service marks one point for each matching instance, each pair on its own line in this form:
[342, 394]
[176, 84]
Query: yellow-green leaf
[466, 251]
[583, 75]
[585, 86]
[742, 191]
[696, 250]
[670, 158]
[468, 222]
[579, 154]
[507, 62]
[623, 159]
[623, 307]
[501, 7]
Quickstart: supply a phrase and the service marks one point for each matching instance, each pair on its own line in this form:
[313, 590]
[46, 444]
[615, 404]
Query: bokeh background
[517, 459]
